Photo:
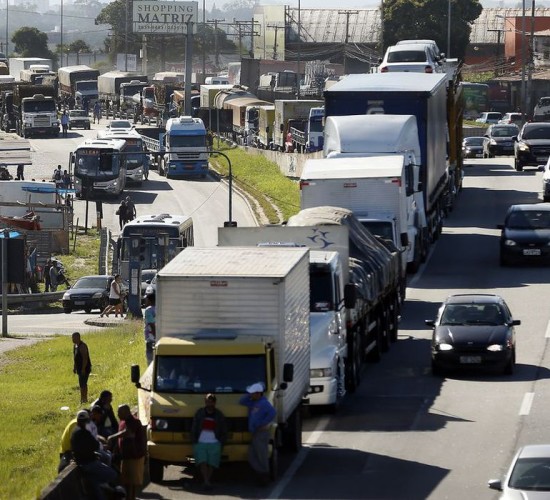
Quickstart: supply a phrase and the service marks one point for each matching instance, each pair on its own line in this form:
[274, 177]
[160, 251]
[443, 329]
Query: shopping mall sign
[162, 17]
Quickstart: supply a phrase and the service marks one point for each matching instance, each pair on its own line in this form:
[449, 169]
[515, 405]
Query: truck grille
[191, 156]
[42, 121]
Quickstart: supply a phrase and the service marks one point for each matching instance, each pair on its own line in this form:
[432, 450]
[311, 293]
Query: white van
[216, 80]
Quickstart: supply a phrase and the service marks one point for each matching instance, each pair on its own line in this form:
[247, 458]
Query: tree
[79, 46]
[427, 19]
[29, 42]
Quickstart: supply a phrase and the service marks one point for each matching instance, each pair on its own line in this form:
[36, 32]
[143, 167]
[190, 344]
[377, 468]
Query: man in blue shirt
[260, 415]
[150, 326]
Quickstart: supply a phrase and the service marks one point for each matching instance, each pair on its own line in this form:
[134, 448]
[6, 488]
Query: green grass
[37, 381]
[263, 180]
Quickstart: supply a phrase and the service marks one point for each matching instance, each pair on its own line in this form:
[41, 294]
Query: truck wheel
[353, 363]
[292, 436]
[385, 331]
[156, 471]
[274, 462]
[394, 320]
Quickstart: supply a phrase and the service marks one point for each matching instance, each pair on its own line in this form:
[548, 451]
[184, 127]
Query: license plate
[542, 158]
[479, 155]
[79, 302]
[470, 360]
[189, 167]
[531, 251]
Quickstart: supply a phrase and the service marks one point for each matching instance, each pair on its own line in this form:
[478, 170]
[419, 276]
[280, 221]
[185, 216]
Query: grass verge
[37, 381]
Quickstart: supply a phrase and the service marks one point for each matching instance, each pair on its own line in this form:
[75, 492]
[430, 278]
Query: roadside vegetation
[40, 396]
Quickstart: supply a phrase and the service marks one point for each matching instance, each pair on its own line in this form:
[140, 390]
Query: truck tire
[394, 320]
[353, 362]
[156, 471]
[292, 435]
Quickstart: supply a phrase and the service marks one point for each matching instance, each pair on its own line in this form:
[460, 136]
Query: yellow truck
[227, 317]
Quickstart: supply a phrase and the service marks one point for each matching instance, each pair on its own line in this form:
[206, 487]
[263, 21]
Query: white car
[490, 117]
[436, 54]
[413, 57]
[120, 125]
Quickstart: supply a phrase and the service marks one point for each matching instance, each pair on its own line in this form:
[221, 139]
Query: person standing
[20, 172]
[121, 212]
[208, 432]
[54, 273]
[115, 298]
[149, 318]
[66, 179]
[132, 444]
[84, 447]
[260, 415]
[47, 281]
[65, 123]
[82, 365]
[97, 111]
[130, 209]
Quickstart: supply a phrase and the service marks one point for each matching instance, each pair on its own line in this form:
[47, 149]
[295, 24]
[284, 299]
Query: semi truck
[18, 64]
[423, 96]
[307, 135]
[36, 74]
[386, 135]
[35, 110]
[180, 149]
[109, 83]
[79, 82]
[287, 111]
[227, 317]
[266, 117]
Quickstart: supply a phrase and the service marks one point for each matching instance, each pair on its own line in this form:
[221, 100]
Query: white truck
[287, 114]
[387, 135]
[266, 117]
[80, 82]
[327, 315]
[227, 317]
[109, 85]
[18, 64]
[37, 73]
[180, 149]
[374, 188]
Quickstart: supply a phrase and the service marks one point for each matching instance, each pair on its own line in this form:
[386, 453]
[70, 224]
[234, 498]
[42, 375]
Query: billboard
[161, 17]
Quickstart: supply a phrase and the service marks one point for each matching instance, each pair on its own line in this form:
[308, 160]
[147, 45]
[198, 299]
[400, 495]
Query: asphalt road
[406, 434]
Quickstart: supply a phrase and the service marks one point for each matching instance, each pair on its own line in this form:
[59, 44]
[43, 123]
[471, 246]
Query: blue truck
[424, 96]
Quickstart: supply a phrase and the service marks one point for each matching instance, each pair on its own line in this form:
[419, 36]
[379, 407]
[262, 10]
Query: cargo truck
[307, 135]
[18, 64]
[266, 117]
[35, 110]
[36, 74]
[109, 83]
[79, 82]
[180, 149]
[227, 317]
[285, 112]
[421, 95]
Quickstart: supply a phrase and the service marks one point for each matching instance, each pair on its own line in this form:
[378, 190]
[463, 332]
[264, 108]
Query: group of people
[126, 211]
[107, 451]
[209, 433]
[62, 179]
[54, 275]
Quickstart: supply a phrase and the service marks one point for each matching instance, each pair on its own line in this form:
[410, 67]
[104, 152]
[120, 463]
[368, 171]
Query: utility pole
[243, 29]
[215, 22]
[347, 13]
[126, 37]
[276, 28]
[299, 48]
[523, 63]
[528, 104]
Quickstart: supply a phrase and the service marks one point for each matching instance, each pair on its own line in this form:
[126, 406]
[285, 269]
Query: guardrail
[34, 298]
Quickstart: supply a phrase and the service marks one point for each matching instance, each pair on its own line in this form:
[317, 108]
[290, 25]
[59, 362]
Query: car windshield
[528, 219]
[400, 56]
[473, 141]
[544, 101]
[536, 133]
[472, 314]
[531, 474]
[79, 113]
[92, 282]
[120, 124]
[504, 131]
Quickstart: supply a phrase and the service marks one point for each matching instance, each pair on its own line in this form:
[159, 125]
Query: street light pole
[523, 62]
[61, 35]
[449, 29]
[204, 39]
[230, 222]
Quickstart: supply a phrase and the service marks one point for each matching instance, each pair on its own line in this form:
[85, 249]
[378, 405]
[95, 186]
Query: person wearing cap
[260, 415]
[149, 319]
[84, 447]
[208, 432]
[82, 365]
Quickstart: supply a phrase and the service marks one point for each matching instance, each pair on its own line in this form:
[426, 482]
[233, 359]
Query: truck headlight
[160, 424]
[320, 372]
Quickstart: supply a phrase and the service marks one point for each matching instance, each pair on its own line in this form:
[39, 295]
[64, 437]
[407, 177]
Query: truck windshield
[202, 374]
[38, 106]
[102, 164]
[187, 141]
[379, 228]
[320, 289]
[86, 86]
[130, 90]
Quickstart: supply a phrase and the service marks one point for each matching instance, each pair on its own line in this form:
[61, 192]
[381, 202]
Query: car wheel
[519, 166]
[67, 310]
[509, 368]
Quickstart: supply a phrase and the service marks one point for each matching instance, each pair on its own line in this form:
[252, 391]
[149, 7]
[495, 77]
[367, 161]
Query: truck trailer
[79, 82]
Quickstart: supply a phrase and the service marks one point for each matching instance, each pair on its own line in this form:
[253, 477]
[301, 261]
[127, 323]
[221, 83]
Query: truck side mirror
[350, 296]
[282, 127]
[288, 372]
[135, 374]
[404, 240]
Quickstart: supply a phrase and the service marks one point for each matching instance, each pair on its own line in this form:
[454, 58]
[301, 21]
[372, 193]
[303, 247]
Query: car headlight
[523, 147]
[160, 424]
[495, 347]
[444, 347]
[66, 296]
[97, 295]
[320, 372]
[492, 142]
[510, 243]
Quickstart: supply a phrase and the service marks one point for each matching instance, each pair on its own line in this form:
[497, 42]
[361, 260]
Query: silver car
[528, 476]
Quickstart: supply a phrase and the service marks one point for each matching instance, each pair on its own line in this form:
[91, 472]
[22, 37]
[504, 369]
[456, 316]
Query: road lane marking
[547, 334]
[299, 460]
[525, 407]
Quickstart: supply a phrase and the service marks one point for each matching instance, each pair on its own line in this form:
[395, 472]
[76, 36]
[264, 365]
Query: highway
[404, 434]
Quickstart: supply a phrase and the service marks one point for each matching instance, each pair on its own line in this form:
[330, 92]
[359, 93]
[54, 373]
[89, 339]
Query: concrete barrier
[66, 485]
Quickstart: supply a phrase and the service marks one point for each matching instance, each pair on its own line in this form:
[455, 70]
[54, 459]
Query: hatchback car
[473, 330]
[489, 117]
[414, 58]
[528, 476]
[525, 234]
[499, 140]
[511, 118]
[78, 118]
[472, 147]
[89, 292]
[532, 147]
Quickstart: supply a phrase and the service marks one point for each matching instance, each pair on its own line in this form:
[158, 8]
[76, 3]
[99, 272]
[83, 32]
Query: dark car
[525, 234]
[472, 147]
[532, 146]
[499, 140]
[474, 330]
[89, 292]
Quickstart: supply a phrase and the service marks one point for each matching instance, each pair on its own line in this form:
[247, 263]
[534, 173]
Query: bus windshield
[96, 163]
[134, 146]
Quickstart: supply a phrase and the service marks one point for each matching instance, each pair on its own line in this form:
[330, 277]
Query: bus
[153, 228]
[137, 159]
[99, 166]
[476, 99]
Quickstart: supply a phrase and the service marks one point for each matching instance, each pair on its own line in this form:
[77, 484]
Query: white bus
[137, 159]
[153, 228]
[99, 166]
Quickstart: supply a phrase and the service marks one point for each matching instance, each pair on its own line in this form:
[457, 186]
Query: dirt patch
[10, 343]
